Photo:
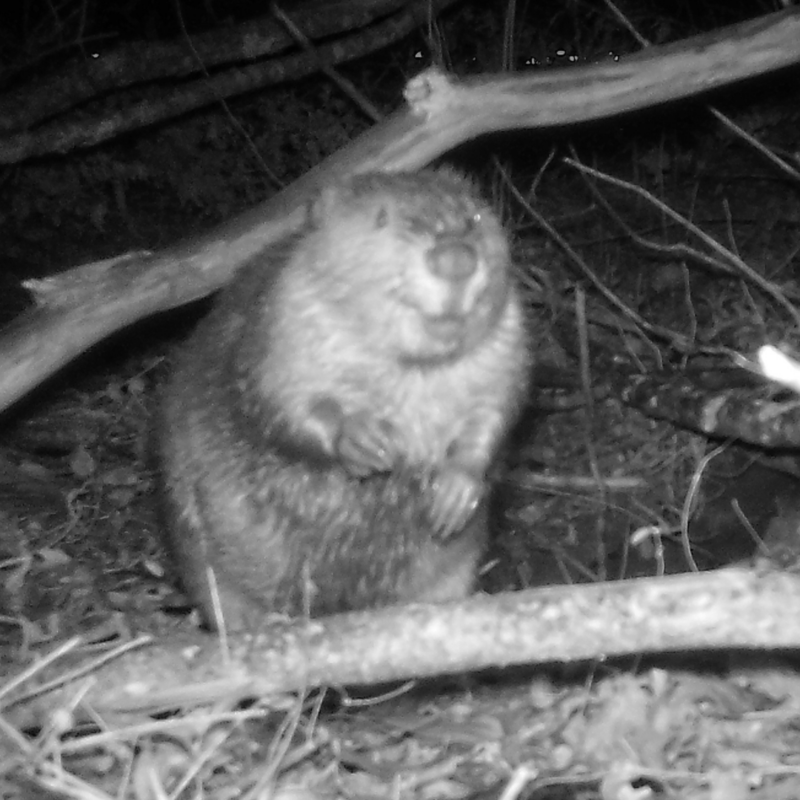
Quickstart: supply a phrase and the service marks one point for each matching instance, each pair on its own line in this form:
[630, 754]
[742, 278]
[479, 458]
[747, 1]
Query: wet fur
[349, 315]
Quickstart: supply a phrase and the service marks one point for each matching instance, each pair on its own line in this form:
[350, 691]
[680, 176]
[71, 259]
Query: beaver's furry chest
[327, 431]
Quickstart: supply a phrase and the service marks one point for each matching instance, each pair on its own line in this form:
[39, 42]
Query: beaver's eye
[382, 218]
[421, 227]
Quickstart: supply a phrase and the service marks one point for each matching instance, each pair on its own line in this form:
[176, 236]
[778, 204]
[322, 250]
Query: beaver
[327, 430]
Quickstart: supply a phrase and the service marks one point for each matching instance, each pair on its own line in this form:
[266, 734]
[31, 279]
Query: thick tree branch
[442, 113]
[224, 65]
[731, 608]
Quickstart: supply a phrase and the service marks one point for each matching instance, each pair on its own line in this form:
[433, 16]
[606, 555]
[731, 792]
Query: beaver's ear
[326, 203]
[458, 180]
[317, 206]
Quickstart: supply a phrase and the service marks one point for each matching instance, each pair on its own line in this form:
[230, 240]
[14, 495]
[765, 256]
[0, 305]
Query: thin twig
[767, 286]
[345, 85]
